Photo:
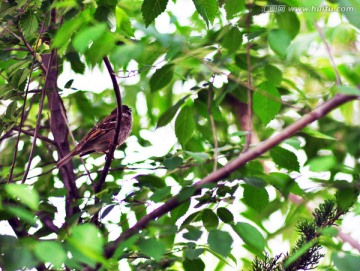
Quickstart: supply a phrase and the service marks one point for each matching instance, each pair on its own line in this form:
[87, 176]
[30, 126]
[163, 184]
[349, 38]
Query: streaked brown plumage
[99, 138]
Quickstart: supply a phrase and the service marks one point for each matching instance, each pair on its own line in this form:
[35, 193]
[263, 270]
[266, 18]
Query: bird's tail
[63, 161]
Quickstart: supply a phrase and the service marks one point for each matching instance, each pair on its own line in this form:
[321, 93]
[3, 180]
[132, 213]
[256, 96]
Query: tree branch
[235, 164]
[110, 154]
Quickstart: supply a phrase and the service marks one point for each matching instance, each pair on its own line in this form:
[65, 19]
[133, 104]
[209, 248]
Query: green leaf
[351, 9]
[345, 198]
[251, 236]
[317, 134]
[232, 7]
[150, 9]
[348, 90]
[220, 242]
[161, 194]
[28, 23]
[123, 24]
[50, 251]
[192, 234]
[86, 244]
[209, 219]
[265, 105]
[184, 125]
[207, 9]
[284, 183]
[64, 34]
[322, 163]
[346, 261]
[225, 215]
[289, 22]
[161, 78]
[255, 197]
[152, 248]
[232, 39]
[10, 110]
[192, 254]
[279, 41]
[101, 47]
[284, 158]
[273, 75]
[88, 35]
[150, 181]
[169, 114]
[173, 162]
[25, 194]
[69, 83]
[23, 214]
[192, 265]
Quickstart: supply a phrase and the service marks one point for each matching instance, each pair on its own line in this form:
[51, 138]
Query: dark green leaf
[209, 219]
[346, 197]
[184, 125]
[255, 197]
[273, 75]
[28, 23]
[161, 194]
[220, 242]
[23, 214]
[161, 78]
[169, 114]
[232, 39]
[192, 234]
[192, 254]
[152, 248]
[284, 158]
[150, 9]
[232, 7]
[266, 102]
[289, 22]
[173, 162]
[192, 265]
[150, 181]
[225, 215]
[207, 9]
[68, 84]
[279, 41]
[251, 236]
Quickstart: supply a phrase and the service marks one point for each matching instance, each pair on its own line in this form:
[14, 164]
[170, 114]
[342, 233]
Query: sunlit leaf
[184, 125]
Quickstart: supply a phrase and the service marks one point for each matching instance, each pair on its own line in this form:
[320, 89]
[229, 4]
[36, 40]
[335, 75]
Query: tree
[260, 97]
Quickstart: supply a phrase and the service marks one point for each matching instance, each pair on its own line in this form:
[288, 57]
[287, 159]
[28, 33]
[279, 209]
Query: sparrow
[100, 137]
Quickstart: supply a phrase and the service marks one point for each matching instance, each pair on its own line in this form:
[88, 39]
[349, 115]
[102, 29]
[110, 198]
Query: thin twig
[110, 154]
[328, 50]
[232, 166]
[212, 123]
[36, 131]
[21, 124]
[249, 87]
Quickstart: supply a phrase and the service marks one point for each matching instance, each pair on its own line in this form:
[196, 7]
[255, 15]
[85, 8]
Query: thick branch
[235, 164]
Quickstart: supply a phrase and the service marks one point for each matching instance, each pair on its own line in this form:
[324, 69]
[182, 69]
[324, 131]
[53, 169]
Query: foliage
[210, 168]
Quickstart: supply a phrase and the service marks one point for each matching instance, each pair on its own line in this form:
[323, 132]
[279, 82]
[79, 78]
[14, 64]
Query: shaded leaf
[169, 114]
[161, 78]
[152, 248]
[220, 242]
[191, 265]
[184, 125]
[25, 194]
[279, 41]
[255, 197]
[265, 106]
[209, 219]
[207, 9]
[284, 158]
[225, 215]
[150, 9]
[250, 235]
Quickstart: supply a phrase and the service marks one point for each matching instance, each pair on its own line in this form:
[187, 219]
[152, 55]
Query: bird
[100, 137]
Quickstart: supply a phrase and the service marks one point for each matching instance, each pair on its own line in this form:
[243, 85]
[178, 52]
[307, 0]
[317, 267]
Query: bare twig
[238, 162]
[21, 124]
[36, 131]
[212, 123]
[249, 87]
[328, 49]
